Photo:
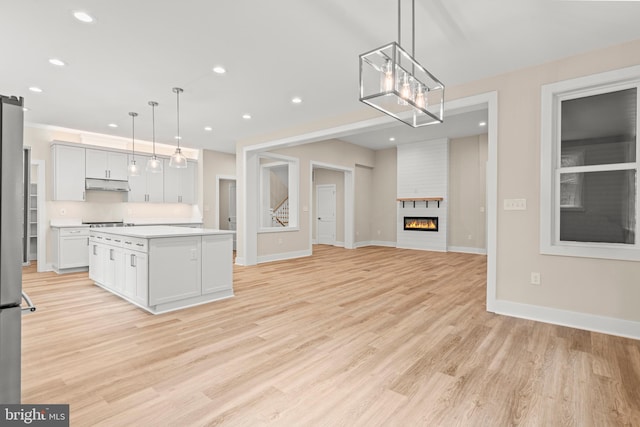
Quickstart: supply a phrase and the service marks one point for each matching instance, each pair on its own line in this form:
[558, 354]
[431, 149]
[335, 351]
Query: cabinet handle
[116, 240]
[95, 247]
[110, 254]
[83, 198]
[74, 231]
[87, 241]
[127, 243]
[133, 260]
[139, 244]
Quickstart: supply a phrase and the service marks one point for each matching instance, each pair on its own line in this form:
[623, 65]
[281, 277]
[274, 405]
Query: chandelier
[393, 82]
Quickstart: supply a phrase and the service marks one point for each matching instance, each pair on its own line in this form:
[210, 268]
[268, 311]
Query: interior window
[278, 193]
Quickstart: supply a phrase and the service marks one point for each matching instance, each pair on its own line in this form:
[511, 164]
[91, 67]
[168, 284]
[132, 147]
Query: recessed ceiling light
[246, 116]
[219, 70]
[177, 137]
[83, 16]
[25, 109]
[208, 128]
[482, 124]
[113, 125]
[35, 89]
[296, 100]
[392, 139]
[57, 62]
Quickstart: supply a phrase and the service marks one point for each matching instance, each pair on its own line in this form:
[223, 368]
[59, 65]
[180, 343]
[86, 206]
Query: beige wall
[383, 198]
[214, 164]
[363, 203]
[590, 286]
[467, 193]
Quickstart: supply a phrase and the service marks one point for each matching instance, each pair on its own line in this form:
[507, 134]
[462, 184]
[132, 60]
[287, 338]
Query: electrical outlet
[515, 204]
[535, 278]
[63, 211]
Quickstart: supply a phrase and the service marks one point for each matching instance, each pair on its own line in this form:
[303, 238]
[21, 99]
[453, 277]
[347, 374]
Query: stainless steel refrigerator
[11, 200]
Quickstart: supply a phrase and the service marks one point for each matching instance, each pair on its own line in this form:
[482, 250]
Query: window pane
[599, 129]
[598, 207]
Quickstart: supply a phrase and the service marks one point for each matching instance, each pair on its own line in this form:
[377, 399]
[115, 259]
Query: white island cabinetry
[163, 268]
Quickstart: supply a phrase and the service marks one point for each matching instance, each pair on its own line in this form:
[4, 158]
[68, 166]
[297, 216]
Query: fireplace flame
[423, 224]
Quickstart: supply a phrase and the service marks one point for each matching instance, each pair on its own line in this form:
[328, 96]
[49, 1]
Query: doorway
[227, 219]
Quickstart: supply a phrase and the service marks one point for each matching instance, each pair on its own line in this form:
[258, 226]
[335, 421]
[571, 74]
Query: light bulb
[178, 160]
[133, 169]
[154, 165]
[421, 100]
[386, 83]
[405, 90]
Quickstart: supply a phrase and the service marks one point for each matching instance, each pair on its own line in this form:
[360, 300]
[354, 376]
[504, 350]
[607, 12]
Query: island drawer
[135, 244]
[82, 231]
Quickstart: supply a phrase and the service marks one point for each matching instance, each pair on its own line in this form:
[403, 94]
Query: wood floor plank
[368, 337]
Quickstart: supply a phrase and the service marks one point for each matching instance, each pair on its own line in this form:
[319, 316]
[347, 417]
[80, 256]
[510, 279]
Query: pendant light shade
[178, 160]
[133, 169]
[154, 164]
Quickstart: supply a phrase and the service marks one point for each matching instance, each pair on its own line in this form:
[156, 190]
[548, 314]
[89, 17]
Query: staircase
[280, 214]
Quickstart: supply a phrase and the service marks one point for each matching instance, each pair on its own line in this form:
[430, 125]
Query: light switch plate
[515, 204]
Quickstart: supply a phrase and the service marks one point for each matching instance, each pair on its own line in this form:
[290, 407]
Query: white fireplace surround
[423, 171]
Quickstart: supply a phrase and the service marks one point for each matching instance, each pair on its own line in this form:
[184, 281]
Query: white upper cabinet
[102, 164]
[68, 172]
[146, 187]
[180, 184]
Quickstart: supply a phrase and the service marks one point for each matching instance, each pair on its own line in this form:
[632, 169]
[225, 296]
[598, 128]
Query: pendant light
[394, 82]
[178, 160]
[133, 168]
[154, 164]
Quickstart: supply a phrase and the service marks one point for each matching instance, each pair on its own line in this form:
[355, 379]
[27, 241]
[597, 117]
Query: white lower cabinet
[136, 276]
[174, 261]
[96, 262]
[70, 249]
[214, 279]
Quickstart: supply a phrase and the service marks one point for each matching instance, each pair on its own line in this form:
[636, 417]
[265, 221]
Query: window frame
[293, 176]
[550, 164]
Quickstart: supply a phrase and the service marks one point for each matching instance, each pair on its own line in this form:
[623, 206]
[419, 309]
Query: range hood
[106, 184]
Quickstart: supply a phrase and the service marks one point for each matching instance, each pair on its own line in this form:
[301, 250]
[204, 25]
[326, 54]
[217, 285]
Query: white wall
[423, 171]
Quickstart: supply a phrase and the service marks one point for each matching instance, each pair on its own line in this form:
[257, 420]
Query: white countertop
[156, 231]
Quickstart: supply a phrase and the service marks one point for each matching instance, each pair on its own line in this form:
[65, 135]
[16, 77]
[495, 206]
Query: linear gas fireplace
[421, 223]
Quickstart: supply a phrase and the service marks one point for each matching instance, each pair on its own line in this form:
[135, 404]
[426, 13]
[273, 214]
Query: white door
[326, 214]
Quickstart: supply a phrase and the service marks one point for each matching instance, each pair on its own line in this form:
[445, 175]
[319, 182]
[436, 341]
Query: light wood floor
[366, 337]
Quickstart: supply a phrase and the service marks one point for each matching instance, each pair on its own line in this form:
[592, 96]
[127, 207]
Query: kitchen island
[162, 268]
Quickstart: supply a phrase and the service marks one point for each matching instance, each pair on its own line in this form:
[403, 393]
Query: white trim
[589, 322]
[465, 250]
[283, 256]
[366, 243]
[551, 96]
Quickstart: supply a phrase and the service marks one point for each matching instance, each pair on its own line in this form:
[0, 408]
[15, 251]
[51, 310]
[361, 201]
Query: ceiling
[137, 51]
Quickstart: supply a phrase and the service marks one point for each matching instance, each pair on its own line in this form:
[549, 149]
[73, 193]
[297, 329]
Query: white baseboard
[589, 322]
[375, 243]
[240, 260]
[479, 251]
[283, 256]
[45, 267]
